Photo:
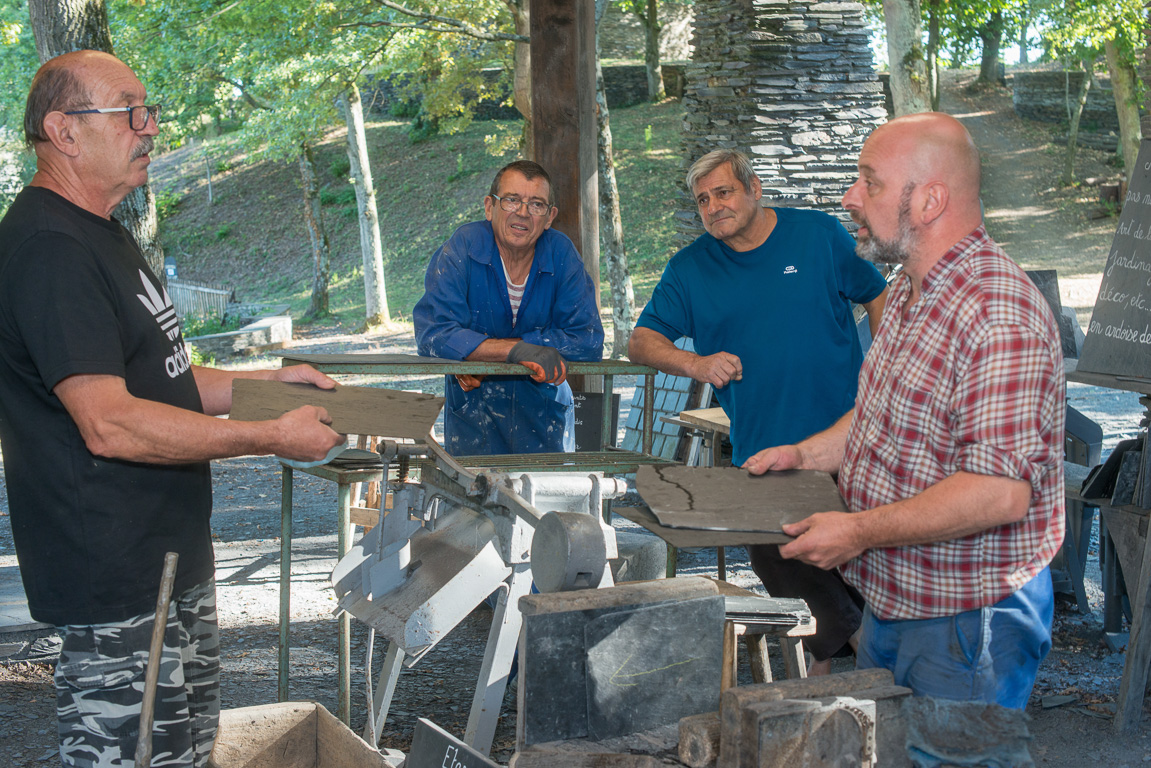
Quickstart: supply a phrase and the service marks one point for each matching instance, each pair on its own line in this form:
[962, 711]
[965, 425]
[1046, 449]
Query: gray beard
[883, 251]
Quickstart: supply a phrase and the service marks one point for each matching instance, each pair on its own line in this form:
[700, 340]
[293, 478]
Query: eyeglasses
[139, 114]
[512, 205]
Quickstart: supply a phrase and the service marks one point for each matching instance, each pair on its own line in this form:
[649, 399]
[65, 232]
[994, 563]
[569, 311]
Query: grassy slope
[252, 236]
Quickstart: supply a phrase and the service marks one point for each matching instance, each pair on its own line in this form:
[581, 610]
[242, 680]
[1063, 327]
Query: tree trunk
[321, 252]
[522, 71]
[1125, 92]
[651, 57]
[1076, 112]
[905, 56]
[933, 53]
[62, 26]
[1023, 25]
[991, 36]
[611, 231]
[375, 297]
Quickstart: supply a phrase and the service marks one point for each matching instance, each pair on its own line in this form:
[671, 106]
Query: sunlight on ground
[1024, 212]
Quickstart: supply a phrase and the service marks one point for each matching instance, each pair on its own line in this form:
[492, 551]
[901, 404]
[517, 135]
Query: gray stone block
[642, 557]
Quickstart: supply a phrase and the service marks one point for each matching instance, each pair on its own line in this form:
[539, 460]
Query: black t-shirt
[77, 297]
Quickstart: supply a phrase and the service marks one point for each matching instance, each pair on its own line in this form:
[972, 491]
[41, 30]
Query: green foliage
[338, 196]
[166, 204]
[223, 231]
[197, 357]
[196, 325]
[341, 167]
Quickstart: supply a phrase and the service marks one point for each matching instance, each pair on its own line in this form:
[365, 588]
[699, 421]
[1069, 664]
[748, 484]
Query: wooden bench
[755, 634]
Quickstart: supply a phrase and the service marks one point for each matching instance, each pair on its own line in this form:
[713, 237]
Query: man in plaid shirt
[951, 462]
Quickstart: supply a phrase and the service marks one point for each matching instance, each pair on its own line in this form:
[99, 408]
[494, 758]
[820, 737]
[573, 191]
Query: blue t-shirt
[785, 309]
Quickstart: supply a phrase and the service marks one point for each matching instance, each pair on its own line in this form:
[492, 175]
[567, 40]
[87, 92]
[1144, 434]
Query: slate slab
[558, 688]
[354, 410]
[732, 499]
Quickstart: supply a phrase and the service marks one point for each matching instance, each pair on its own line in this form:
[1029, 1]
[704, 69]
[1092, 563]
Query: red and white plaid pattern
[969, 379]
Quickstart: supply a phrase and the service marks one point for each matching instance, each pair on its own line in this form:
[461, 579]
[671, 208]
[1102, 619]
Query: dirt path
[1025, 209]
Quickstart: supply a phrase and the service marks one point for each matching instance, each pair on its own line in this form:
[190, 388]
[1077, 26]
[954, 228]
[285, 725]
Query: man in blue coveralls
[766, 296]
[510, 289]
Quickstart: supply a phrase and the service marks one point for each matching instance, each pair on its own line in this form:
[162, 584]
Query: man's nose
[851, 196]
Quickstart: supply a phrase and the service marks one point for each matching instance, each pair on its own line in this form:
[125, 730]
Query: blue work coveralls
[466, 301]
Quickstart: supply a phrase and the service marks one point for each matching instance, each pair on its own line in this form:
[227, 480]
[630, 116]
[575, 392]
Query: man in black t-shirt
[97, 393]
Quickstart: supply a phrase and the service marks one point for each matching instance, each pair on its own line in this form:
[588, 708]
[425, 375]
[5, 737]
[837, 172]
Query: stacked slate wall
[1044, 96]
[793, 85]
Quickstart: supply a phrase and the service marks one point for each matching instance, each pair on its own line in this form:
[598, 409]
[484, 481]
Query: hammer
[152, 675]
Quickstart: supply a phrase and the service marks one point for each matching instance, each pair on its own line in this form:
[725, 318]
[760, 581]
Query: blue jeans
[991, 654]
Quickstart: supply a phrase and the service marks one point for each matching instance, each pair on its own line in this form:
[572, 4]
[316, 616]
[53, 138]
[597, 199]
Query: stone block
[603, 662]
[834, 732]
[642, 557]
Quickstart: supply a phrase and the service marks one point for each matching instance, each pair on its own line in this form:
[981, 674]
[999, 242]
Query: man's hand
[304, 434]
[717, 369]
[779, 458]
[545, 363]
[303, 374]
[825, 539]
[468, 381]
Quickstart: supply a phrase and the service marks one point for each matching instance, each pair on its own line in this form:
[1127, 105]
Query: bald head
[933, 147]
[62, 84]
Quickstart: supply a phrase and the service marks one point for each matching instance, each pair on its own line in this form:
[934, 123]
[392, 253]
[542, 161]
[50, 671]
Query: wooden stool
[755, 634]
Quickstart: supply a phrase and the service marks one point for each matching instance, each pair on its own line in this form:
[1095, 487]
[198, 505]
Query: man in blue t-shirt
[766, 294]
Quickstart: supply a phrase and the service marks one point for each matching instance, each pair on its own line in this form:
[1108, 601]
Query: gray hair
[740, 167]
[529, 170]
[55, 88]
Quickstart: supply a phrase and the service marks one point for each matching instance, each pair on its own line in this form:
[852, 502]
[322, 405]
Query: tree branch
[451, 25]
[248, 97]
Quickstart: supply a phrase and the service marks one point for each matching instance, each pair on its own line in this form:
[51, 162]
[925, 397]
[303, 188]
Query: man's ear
[551, 216]
[59, 130]
[935, 199]
[756, 188]
[488, 202]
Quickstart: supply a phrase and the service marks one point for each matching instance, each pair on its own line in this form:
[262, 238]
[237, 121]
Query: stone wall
[791, 83]
[1043, 96]
[621, 35]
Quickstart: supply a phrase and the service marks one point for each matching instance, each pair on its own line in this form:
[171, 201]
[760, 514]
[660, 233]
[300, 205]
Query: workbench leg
[1129, 706]
[793, 660]
[672, 561]
[502, 641]
[721, 563]
[756, 646]
[344, 639]
[385, 690]
[729, 672]
[285, 579]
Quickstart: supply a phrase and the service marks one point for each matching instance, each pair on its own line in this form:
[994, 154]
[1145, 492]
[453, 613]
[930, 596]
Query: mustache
[145, 146]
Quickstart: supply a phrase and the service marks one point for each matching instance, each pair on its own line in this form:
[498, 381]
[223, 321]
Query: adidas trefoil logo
[160, 306]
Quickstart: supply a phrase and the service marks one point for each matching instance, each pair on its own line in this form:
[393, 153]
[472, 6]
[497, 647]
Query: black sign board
[433, 747]
[589, 420]
[1119, 339]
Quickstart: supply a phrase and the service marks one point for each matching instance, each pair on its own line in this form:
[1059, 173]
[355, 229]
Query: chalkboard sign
[1119, 339]
[589, 420]
[433, 747]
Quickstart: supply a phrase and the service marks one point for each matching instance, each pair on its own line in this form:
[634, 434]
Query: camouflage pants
[100, 687]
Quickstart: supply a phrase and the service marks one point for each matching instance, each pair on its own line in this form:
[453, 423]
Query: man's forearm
[492, 350]
[824, 450]
[651, 348]
[960, 505]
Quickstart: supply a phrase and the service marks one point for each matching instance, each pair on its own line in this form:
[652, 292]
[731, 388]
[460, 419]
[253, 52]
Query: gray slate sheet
[732, 499]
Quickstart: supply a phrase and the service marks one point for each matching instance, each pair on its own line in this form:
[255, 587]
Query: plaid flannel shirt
[969, 379]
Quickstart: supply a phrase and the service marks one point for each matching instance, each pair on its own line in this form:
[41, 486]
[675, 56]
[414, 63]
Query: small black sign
[433, 747]
[589, 420]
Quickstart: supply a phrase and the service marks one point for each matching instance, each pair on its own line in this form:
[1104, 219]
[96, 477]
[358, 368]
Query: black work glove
[545, 363]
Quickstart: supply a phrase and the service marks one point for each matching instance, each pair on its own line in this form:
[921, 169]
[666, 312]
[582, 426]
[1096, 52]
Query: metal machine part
[452, 538]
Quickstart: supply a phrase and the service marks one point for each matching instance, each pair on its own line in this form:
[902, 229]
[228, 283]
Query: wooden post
[563, 118]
